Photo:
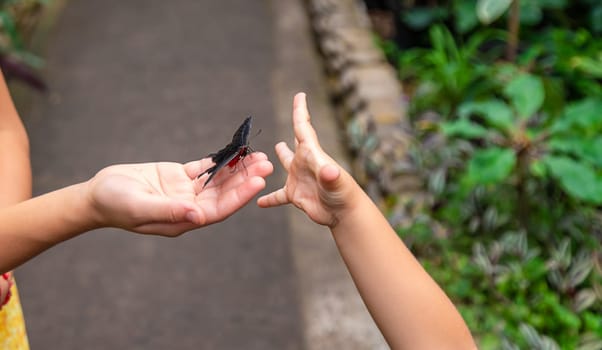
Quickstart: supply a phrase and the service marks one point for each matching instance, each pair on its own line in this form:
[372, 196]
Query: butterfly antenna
[257, 134]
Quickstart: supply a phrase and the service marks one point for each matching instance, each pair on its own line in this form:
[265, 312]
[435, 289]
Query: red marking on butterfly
[234, 152]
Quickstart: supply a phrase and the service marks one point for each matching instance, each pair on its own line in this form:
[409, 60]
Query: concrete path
[135, 81]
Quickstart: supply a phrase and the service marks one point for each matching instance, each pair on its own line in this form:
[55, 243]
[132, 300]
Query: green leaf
[552, 4]
[555, 100]
[530, 12]
[595, 19]
[489, 341]
[578, 179]
[587, 149]
[567, 317]
[529, 55]
[526, 94]
[419, 18]
[593, 322]
[8, 25]
[496, 112]
[535, 269]
[463, 128]
[585, 115]
[588, 65]
[466, 18]
[537, 169]
[490, 10]
[491, 165]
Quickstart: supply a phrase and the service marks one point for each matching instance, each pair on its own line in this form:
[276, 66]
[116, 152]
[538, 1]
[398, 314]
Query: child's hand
[167, 199]
[315, 184]
[6, 282]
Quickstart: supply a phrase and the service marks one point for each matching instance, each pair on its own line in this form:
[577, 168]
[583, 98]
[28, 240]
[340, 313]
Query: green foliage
[526, 94]
[492, 187]
[490, 10]
[511, 155]
[16, 19]
[466, 16]
[447, 72]
[577, 179]
[489, 166]
[10, 36]
[513, 293]
[573, 56]
[531, 11]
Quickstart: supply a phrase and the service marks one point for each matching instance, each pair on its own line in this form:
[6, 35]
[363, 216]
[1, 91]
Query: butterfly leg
[241, 159]
[244, 166]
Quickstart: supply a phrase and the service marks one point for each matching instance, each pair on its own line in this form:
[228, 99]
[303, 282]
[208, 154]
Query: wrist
[352, 206]
[88, 208]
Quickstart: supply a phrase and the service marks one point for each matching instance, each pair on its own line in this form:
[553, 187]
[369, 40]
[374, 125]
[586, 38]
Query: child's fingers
[304, 132]
[194, 168]
[235, 198]
[226, 181]
[273, 199]
[285, 155]
[228, 178]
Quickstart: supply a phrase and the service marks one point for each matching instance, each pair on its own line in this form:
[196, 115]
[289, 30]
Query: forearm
[32, 226]
[410, 309]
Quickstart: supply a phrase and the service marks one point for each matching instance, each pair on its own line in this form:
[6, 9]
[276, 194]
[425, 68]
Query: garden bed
[500, 144]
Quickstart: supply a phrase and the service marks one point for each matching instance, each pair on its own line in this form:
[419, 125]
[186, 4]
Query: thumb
[330, 178]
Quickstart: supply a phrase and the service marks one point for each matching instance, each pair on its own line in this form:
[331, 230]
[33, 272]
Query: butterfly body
[241, 154]
[232, 153]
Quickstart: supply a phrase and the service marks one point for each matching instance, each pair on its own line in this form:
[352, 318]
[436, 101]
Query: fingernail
[192, 217]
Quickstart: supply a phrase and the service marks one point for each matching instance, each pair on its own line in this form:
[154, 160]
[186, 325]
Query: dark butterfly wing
[232, 150]
[221, 158]
[241, 136]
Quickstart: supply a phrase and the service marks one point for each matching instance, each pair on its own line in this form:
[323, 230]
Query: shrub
[509, 147]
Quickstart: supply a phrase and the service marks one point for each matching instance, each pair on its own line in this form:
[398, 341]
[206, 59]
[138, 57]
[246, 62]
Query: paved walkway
[135, 81]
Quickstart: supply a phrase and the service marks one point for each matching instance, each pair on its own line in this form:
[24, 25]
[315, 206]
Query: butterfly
[235, 151]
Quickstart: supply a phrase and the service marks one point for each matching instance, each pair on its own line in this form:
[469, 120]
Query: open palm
[165, 198]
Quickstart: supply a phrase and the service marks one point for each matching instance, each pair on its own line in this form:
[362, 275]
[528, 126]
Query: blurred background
[505, 103]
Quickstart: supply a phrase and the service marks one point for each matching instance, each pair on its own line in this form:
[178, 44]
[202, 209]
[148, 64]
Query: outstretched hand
[166, 198]
[315, 183]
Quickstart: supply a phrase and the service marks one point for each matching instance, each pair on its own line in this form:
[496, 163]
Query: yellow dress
[12, 324]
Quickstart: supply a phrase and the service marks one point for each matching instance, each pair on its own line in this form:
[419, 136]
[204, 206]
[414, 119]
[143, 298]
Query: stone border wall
[369, 103]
